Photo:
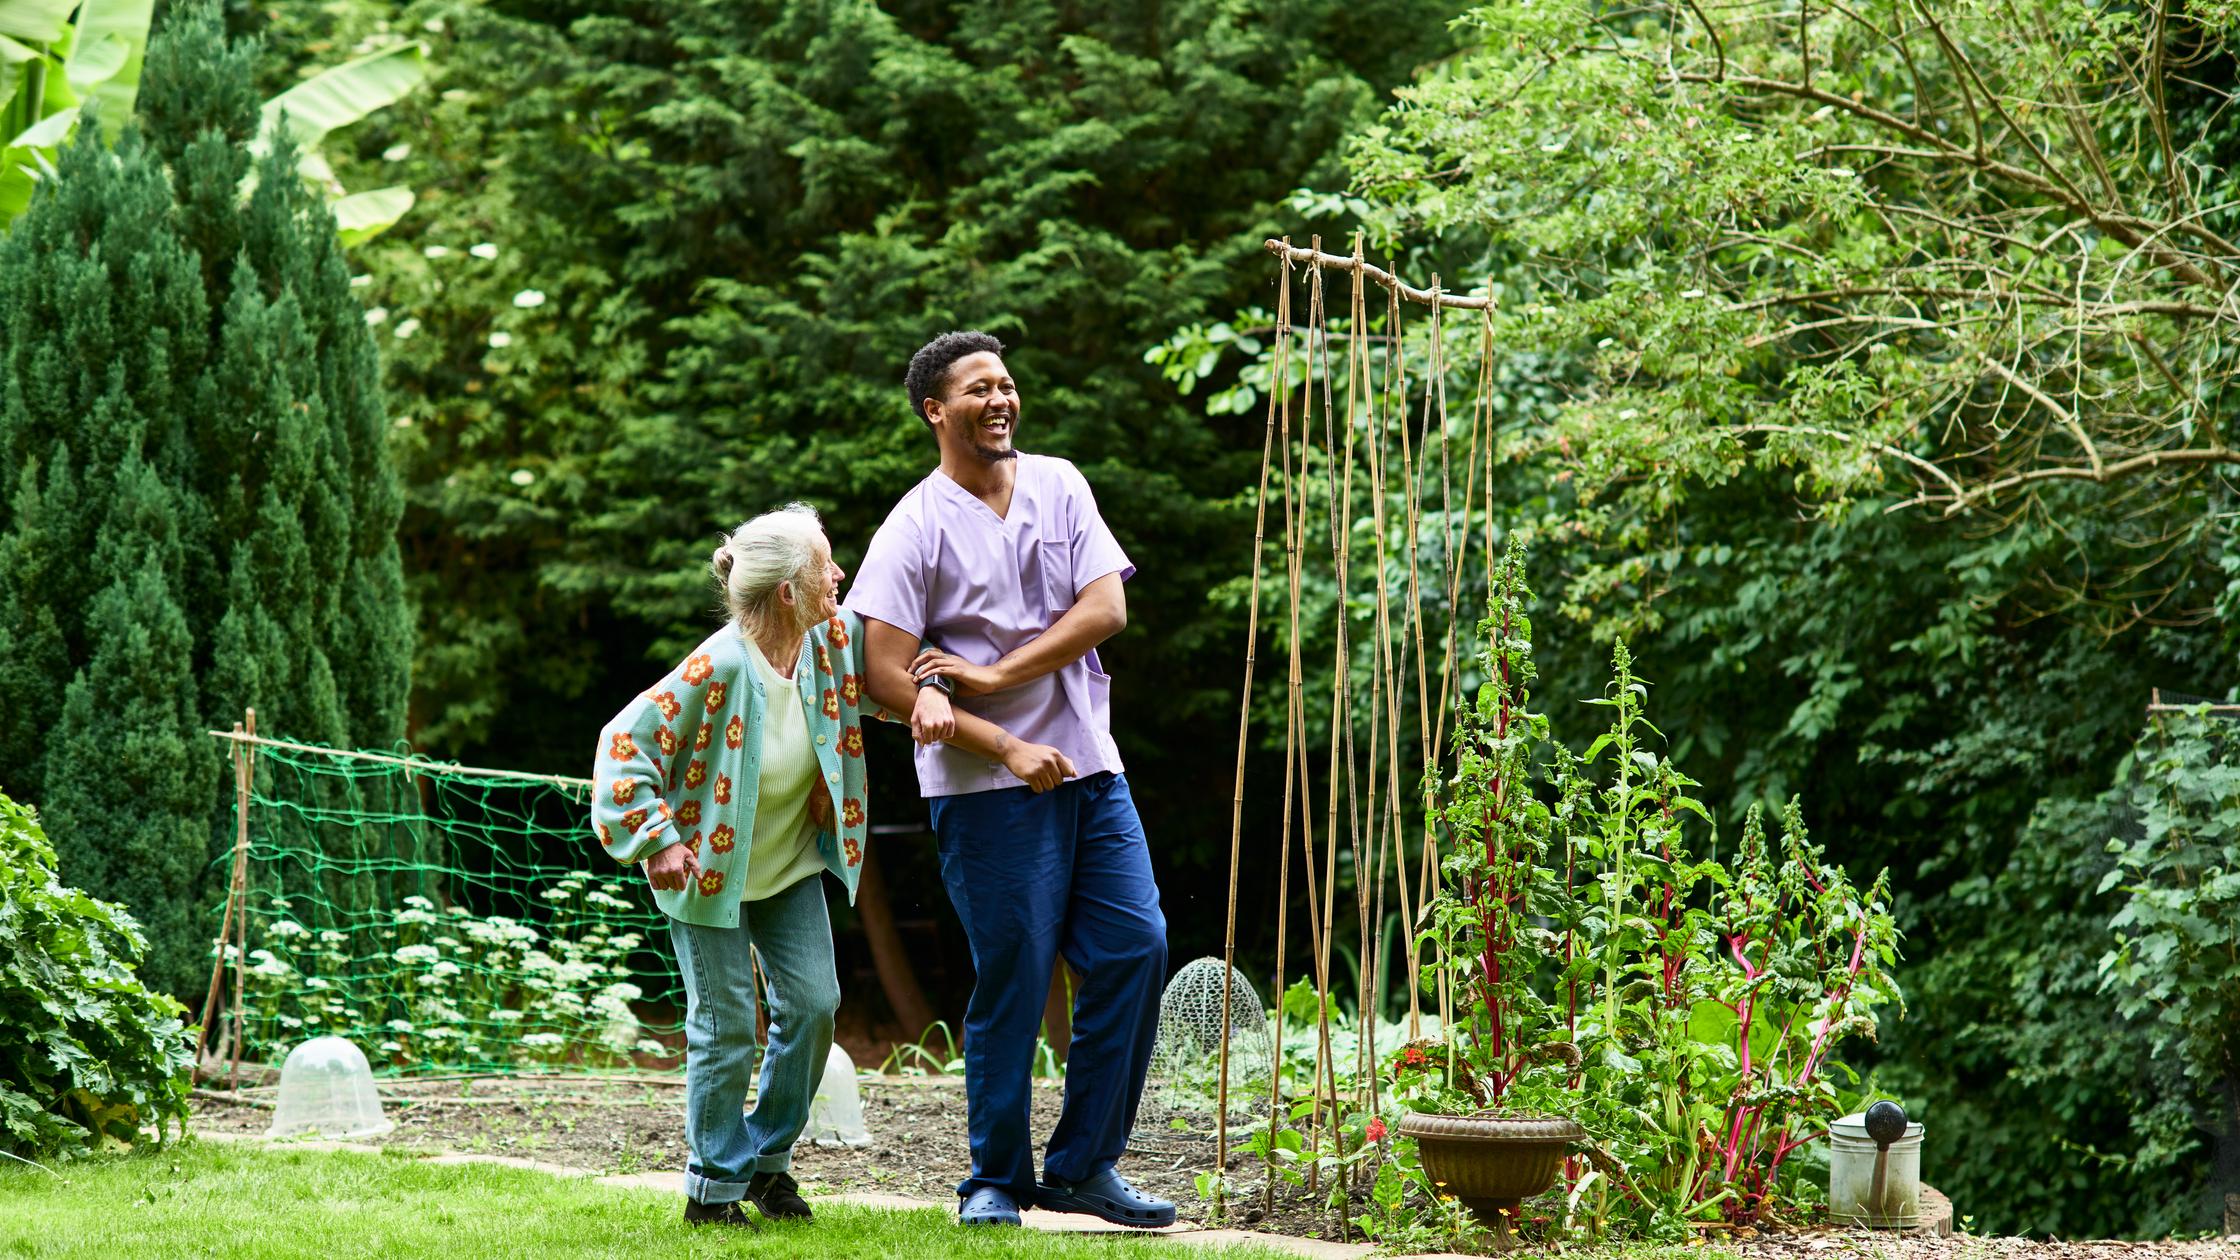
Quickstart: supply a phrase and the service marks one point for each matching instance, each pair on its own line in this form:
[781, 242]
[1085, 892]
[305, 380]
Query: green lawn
[241, 1200]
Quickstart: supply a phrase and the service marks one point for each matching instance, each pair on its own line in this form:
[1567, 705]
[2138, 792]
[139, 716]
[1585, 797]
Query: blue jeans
[1032, 877]
[792, 933]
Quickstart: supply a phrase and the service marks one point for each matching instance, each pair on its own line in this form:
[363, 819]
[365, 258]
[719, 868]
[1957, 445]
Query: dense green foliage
[89, 1055]
[670, 261]
[200, 509]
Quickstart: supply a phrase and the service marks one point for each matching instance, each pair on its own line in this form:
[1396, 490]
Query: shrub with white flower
[428, 985]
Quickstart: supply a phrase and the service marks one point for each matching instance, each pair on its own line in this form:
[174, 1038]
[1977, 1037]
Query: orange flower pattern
[693, 788]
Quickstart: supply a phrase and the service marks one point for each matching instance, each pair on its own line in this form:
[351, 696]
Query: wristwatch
[939, 680]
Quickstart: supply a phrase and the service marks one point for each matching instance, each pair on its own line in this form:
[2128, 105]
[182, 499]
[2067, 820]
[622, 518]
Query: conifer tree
[199, 513]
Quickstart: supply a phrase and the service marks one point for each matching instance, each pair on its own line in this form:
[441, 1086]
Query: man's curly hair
[928, 376]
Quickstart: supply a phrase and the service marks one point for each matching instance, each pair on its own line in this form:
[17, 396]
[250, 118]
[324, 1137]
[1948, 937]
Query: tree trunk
[904, 996]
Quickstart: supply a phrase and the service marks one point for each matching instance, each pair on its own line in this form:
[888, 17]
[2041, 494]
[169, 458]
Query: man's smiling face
[981, 410]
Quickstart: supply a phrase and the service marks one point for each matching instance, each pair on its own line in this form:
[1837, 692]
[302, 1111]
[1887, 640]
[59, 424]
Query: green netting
[445, 920]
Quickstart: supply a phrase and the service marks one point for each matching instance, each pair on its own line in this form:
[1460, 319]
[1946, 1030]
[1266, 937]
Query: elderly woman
[722, 779]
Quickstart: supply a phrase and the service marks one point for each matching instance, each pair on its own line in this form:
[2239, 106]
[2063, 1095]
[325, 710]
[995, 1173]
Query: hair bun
[721, 561]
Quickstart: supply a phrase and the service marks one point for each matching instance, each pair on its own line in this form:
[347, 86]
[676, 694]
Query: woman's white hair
[773, 548]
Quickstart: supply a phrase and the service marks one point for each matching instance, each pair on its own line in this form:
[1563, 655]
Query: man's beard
[991, 455]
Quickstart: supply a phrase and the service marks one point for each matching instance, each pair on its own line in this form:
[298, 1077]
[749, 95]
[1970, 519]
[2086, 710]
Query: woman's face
[820, 595]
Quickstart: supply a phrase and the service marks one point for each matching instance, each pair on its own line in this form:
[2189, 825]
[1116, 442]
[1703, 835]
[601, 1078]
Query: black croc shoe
[1106, 1196]
[778, 1195]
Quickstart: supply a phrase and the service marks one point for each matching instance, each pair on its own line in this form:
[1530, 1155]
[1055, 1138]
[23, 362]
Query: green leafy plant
[2176, 961]
[89, 1056]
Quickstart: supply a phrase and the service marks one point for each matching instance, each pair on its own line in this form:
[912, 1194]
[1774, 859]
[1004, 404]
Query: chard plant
[1606, 961]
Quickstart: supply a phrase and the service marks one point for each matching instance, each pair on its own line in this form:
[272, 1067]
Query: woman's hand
[970, 679]
[674, 868]
[932, 720]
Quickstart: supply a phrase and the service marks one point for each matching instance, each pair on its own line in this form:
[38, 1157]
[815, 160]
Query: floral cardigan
[681, 764]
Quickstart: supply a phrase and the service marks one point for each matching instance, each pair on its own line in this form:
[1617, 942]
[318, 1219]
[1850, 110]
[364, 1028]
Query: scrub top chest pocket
[1056, 562]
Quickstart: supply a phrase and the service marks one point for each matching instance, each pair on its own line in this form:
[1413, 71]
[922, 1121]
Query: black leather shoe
[778, 1195]
[698, 1213]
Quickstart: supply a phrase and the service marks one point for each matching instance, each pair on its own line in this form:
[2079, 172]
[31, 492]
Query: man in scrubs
[1002, 560]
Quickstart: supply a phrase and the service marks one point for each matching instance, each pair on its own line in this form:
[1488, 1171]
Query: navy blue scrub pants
[1033, 877]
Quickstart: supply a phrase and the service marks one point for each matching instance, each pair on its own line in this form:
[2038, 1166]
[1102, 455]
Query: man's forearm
[886, 662]
[1100, 612]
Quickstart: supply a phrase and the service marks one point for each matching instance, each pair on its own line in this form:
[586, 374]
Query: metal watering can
[1874, 1169]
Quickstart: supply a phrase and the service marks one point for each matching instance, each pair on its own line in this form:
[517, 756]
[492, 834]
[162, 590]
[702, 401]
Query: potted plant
[1486, 1131]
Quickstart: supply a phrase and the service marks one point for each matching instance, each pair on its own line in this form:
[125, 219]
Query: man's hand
[674, 868]
[1039, 765]
[931, 719]
[970, 679]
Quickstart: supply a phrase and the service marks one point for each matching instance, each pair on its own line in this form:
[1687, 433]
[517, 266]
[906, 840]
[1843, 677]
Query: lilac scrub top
[944, 567]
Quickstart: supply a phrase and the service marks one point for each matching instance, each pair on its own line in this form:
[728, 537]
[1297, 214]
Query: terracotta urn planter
[1492, 1163]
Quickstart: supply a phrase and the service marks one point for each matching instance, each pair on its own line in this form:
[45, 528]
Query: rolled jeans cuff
[701, 1189]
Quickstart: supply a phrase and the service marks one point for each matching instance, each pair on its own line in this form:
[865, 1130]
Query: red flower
[668, 741]
[622, 748]
[661, 808]
[851, 812]
[839, 632]
[688, 814]
[851, 688]
[697, 669]
[722, 838]
[606, 834]
[633, 820]
[723, 789]
[696, 774]
[706, 734]
[1376, 1129]
[694, 844]
[716, 693]
[824, 661]
[665, 701]
[711, 883]
[624, 789]
[851, 741]
[734, 732]
[820, 808]
[831, 703]
[855, 851]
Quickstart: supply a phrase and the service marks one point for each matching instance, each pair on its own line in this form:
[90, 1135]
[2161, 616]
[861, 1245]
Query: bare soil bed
[918, 1150]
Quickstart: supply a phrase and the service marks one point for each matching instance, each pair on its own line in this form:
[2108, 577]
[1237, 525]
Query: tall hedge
[200, 514]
